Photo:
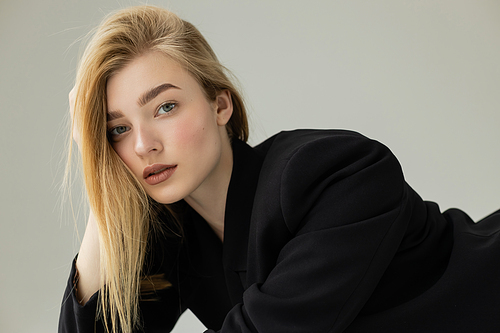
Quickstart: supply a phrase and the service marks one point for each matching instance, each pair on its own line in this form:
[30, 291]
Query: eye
[118, 130]
[165, 108]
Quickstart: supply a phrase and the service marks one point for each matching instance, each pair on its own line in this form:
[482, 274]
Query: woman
[310, 231]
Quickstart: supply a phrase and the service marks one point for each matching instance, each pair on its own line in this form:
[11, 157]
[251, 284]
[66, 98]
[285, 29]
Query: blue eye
[166, 108]
[119, 130]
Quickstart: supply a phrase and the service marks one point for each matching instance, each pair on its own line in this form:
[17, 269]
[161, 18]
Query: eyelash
[112, 130]
[115, 128]
[173, 105]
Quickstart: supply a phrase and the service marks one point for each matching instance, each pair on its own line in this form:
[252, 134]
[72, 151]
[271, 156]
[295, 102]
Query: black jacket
[322, 234]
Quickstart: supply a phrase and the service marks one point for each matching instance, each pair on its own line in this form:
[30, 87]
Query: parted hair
[122, 209]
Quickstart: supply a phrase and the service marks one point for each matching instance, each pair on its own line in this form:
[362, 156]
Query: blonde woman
[310, 231]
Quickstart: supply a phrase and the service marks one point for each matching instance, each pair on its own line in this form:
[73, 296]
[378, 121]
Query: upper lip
[154, 168]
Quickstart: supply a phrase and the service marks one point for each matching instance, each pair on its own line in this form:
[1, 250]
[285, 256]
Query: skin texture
[176, 126]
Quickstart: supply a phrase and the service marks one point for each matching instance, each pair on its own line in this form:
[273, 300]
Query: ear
[224, 105]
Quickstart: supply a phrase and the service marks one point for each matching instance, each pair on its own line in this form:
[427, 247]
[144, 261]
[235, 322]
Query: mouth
[157, 173]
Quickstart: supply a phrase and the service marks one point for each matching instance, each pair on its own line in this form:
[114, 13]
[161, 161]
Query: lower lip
[161, 177]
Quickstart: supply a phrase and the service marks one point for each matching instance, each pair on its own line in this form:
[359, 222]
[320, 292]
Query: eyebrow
[112, 115]
[153, 92]
[143, 100]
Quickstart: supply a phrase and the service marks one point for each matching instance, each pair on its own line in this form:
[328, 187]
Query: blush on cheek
[193, 131]
[185, 135]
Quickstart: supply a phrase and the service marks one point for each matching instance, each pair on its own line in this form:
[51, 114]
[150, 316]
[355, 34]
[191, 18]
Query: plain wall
[423, 77]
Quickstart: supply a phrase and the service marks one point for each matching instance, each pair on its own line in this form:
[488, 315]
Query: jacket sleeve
[74, 317]
[344, 202]
[159, 313]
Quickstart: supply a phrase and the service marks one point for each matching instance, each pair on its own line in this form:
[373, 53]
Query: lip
[157, 173]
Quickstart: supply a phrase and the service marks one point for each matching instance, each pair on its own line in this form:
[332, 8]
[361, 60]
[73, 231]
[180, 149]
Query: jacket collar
[239, 203]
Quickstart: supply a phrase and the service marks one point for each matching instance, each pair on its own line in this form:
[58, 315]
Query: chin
[167, 202]
[163, 199]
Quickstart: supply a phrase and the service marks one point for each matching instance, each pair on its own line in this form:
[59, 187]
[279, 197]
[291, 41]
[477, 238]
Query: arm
[83, 283]
[160, 310]
[344, 204]
[79, 307]
[87, 263]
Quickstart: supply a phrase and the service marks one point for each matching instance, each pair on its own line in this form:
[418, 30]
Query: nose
[146, 142]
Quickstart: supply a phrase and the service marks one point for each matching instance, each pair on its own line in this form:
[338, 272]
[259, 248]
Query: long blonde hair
[122, 208]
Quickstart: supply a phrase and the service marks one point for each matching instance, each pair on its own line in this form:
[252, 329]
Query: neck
[209, 200]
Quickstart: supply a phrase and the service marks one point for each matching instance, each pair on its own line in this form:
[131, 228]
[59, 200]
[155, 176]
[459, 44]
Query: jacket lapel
[244, 178]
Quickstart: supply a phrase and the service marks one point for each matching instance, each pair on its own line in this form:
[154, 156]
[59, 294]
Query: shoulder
[304, 167]
[286, 144]
[309, 151]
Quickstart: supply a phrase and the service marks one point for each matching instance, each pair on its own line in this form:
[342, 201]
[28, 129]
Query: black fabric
[322, 234]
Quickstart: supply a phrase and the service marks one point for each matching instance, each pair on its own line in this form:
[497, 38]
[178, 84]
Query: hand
[76, 129]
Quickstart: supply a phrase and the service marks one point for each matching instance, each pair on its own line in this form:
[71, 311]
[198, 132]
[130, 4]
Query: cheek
[197, 131]
[125, 154]
[184, 134]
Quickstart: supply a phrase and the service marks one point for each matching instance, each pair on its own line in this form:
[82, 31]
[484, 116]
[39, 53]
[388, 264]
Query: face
[165, 130]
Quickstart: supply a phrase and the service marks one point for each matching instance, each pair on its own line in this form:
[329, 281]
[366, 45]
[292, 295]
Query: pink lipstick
[157, 173]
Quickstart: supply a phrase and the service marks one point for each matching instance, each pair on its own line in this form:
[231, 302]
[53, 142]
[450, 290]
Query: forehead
[145, 72]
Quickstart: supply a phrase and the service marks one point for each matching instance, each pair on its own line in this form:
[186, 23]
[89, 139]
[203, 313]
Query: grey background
[421, 76]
